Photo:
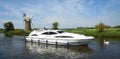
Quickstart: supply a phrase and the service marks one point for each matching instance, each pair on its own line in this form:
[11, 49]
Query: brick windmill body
[28, 21]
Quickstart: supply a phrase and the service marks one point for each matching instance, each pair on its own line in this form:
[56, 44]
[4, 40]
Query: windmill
[28, 21]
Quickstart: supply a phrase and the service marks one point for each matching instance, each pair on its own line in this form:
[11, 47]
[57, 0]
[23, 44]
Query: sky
[68, 13]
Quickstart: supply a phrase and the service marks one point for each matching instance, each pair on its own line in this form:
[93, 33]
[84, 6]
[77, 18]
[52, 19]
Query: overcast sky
[69, 13]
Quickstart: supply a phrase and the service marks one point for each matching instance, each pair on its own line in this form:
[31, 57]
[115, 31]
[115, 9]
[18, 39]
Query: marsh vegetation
[100, 30]
[112, 32]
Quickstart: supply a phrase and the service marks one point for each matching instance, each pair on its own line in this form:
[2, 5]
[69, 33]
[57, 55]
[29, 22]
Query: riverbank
[111, 33]
[16, 32]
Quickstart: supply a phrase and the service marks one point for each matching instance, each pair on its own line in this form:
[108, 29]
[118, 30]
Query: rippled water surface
[15, 47]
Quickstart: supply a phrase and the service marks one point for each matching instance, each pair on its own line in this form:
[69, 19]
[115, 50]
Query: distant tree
[85, 28]
[79, 28]
[35, 28]
[108, 26]
[1, 28]
[117, 26]
[101, 27]
[55, 26]
[8, 26]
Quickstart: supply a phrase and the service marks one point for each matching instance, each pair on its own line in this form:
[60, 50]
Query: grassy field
[111, 33]
[16, 32]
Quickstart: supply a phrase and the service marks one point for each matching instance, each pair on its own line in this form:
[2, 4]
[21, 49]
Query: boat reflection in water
[60, 51]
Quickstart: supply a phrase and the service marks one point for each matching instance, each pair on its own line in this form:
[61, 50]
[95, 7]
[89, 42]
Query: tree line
[101, 27]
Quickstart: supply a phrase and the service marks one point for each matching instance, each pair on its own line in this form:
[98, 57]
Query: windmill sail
[24, 15]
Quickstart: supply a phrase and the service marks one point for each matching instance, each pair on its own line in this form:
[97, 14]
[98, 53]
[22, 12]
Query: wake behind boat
[58, 37]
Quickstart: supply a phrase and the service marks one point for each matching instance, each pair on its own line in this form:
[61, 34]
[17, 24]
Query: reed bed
[93, 32]
[17, 32]
[89, 32]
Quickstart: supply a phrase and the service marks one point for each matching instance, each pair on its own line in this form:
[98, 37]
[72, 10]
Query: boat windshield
[60, 31]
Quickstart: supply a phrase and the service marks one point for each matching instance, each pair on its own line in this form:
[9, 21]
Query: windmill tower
[28, 21]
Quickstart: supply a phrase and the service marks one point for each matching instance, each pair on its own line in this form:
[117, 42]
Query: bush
[101, 27]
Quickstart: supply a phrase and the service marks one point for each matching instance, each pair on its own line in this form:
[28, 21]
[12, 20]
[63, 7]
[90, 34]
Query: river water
[15, 47]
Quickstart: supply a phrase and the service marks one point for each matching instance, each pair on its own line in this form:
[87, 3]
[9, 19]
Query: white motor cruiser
[58, 37]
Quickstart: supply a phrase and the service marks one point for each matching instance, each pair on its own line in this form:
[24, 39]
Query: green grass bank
[111, 33]
[16, 32]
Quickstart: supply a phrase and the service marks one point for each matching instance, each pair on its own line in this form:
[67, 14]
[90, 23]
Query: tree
[8, 26]
[101, 27]
[55, 26]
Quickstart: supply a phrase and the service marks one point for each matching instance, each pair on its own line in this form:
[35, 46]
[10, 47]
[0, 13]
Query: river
[15, 47]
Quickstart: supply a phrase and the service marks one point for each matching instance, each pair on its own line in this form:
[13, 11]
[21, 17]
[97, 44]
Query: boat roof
[41, 31]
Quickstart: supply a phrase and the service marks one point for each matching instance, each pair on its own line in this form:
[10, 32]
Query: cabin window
[49, 33]
[34, 35]
[45, 33]
[60, 31]
[52, 33]
[63, 36]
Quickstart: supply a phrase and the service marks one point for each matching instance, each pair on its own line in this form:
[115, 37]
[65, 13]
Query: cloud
[69, 13]
[55, 11]
[90, 2]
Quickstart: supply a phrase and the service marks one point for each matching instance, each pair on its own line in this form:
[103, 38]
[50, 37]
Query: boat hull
[59, 41]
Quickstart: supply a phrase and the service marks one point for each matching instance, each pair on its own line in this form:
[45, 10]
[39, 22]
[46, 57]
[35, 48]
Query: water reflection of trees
[60, 51]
